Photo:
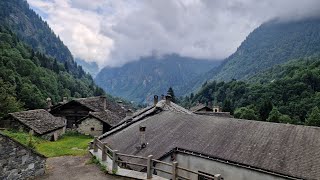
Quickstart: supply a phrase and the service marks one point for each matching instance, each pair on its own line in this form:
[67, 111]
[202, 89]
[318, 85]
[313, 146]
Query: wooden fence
[175, 168]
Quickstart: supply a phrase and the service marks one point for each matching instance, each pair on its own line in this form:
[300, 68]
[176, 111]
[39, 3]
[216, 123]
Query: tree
[265, 109]
[245, 113]
[171, 93]
[226, 106]
[274, 115]
[313, 117]
[286, 119]
[8, 102]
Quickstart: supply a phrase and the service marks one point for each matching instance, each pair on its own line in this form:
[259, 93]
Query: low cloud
[116, 32]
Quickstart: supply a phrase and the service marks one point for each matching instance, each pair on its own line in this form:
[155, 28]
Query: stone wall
[91, 126]
[54, 134]
[18, 161]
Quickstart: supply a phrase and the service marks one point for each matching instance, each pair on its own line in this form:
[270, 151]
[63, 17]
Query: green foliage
[314, 117]
[68, 144]
[226, 106]
[286, 119]
[270, 44]
[8, 102]
[245, 113]
[27, 78]
[274, 115]
[294, 88]
[31, 142]
[265, 109]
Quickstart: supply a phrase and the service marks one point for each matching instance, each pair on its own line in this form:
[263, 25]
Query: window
[200, 177]
[92, 129]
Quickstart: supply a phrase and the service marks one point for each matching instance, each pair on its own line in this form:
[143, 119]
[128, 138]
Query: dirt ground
[74, 168]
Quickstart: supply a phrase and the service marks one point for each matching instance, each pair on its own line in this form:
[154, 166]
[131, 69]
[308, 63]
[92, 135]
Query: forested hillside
[30, 77]
[288, 93]
[272, 43]
[31, 29]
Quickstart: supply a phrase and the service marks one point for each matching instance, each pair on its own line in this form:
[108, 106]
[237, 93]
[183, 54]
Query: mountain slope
[31, 29]
[141, 79]
[30, 77]
[293, 88]
[270, 44]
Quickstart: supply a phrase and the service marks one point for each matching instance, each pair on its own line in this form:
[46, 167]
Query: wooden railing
[175, 169]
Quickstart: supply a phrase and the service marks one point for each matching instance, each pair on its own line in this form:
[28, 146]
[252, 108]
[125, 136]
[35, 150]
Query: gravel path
[74, 168]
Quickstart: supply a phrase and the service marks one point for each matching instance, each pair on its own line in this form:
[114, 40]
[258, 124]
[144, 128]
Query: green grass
[69, 144]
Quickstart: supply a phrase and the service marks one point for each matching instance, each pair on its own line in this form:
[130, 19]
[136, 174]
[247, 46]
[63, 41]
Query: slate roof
[291, 150]
[105, 116]
[39, 120]
[198, 107]
[96, 104]
[146, 112]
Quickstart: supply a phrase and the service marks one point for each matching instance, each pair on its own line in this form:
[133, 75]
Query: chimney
[143, 143]
[103, 100]
[129, 112]
[49, 103]
[168, 99]
[65, 100]
[155, 100]
[162, 97]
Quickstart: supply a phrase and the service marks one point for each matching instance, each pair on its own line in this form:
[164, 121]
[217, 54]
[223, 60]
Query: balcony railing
[174, 173]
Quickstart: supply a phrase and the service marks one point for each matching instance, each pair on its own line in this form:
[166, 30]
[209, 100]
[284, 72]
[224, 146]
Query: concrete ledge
[122, 172]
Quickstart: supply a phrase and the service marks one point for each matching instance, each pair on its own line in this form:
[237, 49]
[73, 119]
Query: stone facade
[91, 126]
[54, 135]
[18, 161]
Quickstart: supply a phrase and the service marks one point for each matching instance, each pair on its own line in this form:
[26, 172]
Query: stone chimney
[129, 112]
[142, 130]
[65, 100]
[162, 97]
[155, 100]
[168, 99]
[103, 100]
[49, 103]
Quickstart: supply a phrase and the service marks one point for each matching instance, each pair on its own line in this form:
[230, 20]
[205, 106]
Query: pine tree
[226, 106]
[171, 93]
[314, 117]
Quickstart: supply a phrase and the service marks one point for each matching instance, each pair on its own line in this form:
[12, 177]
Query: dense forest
[27, 77]
[31, 29]
[288, 93]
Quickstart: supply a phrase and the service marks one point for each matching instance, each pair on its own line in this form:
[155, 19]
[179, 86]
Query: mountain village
[159, 90]
[165, 141]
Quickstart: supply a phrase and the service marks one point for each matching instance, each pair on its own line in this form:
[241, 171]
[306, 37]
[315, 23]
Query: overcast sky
[113, 32]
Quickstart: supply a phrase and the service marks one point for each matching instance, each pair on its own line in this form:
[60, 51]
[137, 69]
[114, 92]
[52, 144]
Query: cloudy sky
[113, 32]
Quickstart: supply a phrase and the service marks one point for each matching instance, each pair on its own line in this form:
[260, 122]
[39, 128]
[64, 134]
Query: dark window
[200, 177]
[92, 129]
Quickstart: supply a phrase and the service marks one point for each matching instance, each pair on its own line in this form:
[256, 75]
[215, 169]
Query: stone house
[18, 161]
[201, 108]
[40, 122]
[235, 148]
[77, 109]
[97, 123]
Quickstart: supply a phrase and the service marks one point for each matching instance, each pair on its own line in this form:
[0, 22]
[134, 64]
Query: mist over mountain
[272, 43]
[138, 80]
